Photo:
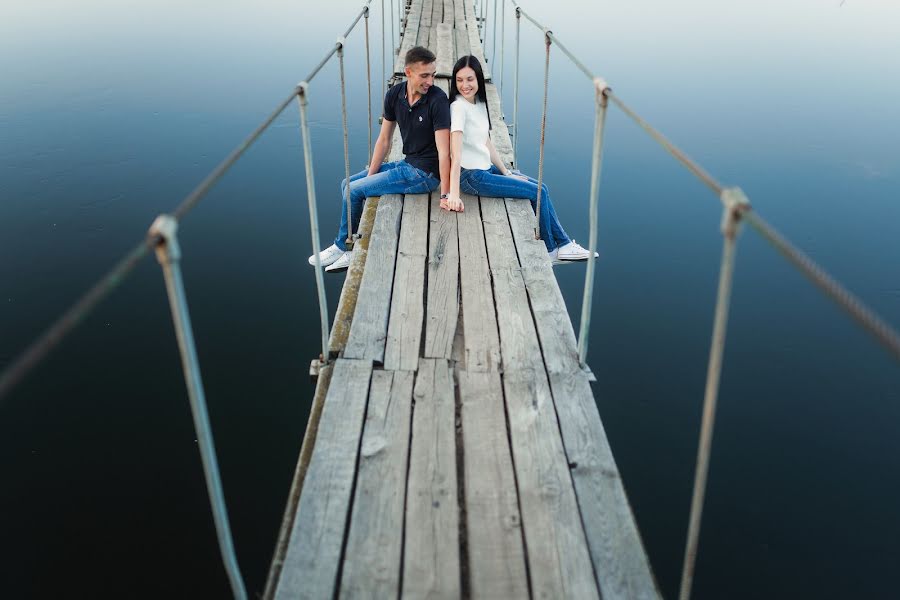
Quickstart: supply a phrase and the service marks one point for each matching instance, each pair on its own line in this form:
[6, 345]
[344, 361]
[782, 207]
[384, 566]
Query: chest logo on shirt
[420, 119]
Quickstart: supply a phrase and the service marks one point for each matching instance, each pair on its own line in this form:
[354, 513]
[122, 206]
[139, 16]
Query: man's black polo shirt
[418, 123]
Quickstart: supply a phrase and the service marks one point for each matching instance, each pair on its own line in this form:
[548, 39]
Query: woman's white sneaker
[573, 251]
[327, 256]
[340, 264]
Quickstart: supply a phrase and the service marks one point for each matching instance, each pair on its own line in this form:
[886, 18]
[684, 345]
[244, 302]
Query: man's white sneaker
[573, 251]
[327, 256]
[340, 264]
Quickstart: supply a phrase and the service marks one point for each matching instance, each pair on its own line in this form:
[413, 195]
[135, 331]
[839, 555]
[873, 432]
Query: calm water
[110, 115]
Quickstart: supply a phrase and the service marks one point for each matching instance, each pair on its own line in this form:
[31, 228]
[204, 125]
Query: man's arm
[442, 141]
[382, 145]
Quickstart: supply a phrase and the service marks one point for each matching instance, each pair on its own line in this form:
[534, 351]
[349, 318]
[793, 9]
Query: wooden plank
[442, 307]
[410, 35]
[437, 14]
[444, 50]
[396, 151]
[447, 17]
[558, 557]
[499, 131]
[459, 14]
[620, 561]
[343, 317]
[431, 566]
[404, 335]
[314, 551]
[368, 331]
[482, 342]
[462, 42]
[375, 539]
[475, 42]
[425, 23]
[496, 556]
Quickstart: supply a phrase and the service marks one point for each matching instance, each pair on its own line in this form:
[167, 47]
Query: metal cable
[494, 36]
[349, 240]
[683, 158]
[393, 33]
[587, 300]
[313, 214]
[369, 86]
[537, 229]
[730, 223]
[502, 48]
[855, 307]
[383, 69]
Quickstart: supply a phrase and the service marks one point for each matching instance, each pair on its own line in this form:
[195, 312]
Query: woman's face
[467, 83]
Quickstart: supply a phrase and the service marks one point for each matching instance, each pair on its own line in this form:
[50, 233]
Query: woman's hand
[453, 203]
[517, 175]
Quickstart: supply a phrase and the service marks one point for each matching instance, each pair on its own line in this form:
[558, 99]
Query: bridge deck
[455, 448]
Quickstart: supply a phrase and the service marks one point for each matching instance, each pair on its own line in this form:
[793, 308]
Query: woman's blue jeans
[491, 182]
[392, 178]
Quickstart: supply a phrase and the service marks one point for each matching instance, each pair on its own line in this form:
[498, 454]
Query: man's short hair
[419, 54]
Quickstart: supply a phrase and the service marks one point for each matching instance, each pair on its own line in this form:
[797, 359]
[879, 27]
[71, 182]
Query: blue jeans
[392, 178]
[492, 183]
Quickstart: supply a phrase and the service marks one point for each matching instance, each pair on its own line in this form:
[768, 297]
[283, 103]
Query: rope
[313, 214]
[852, 305]
[587, 301]
[516, 88]
[730, 222]
[349, 240]
[369, 86]
[383, 69]
[502, 48]
[537, 229]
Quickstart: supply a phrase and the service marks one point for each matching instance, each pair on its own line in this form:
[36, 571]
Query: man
[423, 112]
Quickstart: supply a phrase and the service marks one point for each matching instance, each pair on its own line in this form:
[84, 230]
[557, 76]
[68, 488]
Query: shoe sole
[337, 270]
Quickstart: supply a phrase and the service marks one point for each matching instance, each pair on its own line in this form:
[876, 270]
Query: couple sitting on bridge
[426, 120]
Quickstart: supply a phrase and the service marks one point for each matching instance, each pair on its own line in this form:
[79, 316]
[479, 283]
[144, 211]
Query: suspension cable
[516, 88]
[494, 38]
[369, 87]
[502, 48]
[349, 240]
[537, 229]
[383, 69]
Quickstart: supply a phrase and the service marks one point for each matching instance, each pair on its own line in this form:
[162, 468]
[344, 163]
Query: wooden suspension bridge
[454, 447]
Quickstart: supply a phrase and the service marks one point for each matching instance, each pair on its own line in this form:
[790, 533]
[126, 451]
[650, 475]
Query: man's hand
[453, 204]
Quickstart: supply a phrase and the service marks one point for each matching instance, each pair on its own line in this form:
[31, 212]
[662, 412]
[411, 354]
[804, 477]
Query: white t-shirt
[472, 120]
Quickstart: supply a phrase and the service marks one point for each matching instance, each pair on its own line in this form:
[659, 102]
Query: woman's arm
[455, 202]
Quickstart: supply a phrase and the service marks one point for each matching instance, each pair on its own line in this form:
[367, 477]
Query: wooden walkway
[454, 447]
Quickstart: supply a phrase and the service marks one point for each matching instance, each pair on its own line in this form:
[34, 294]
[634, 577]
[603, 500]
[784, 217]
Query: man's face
[421, 76]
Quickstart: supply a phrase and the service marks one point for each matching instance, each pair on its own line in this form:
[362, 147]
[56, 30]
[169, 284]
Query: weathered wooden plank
[375, 538]
[431, 567]
[462, 43]
[442, 307]
[499, 131]
[425, 23]
[368, 331]
[447, 17]
[437, 14]
[496, 558]
[317, 535]
[620, 561]
[396, 152]
[343, 317]
[444, 50]
[407, 307]
[410, 35]
[459, 14]
[475, 42]
[482, 342]
[558, 557]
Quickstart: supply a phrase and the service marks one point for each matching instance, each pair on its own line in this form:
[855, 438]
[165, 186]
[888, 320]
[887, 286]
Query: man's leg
[356, 205]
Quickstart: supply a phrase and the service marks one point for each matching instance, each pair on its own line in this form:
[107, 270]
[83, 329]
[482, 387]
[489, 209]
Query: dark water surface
[110, 114]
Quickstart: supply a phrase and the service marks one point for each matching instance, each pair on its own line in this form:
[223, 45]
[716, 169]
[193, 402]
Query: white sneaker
[340, 264]
[574, 251]
[327, 256]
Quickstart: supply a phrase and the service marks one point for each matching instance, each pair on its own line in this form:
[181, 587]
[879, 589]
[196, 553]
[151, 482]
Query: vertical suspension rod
[340, 53]
[537, 229]
[516, 89]
[369, 86]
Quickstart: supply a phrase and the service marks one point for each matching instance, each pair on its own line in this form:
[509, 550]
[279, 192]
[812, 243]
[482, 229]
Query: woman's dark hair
[474, 64]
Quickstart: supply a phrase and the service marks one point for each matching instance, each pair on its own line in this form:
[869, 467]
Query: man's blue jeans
[392, 178]
[492, 183]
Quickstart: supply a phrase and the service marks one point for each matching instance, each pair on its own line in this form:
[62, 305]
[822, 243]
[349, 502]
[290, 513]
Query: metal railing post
[302, 89]
[163, 233]
[736, 205]
[537, 210]
[369, 86]
[384, 76]
[516, 89]
[587, 301]
[494, 36]
[502, 53]
[340, 52]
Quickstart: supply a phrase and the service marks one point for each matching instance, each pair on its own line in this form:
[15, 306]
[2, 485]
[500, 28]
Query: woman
[477, 169]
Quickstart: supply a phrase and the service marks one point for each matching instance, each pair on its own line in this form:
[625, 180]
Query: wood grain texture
[396, 152]
[444, 51]
[410, 35]
[343, 317]
[482, 341]
[499, 129]
[558, 556]
[317, 535]
[431, 567]
[368, 331]
[619, 559]
[475, 42]
[493, 525]
[404, 336]
[442, 308]
[375, 538]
